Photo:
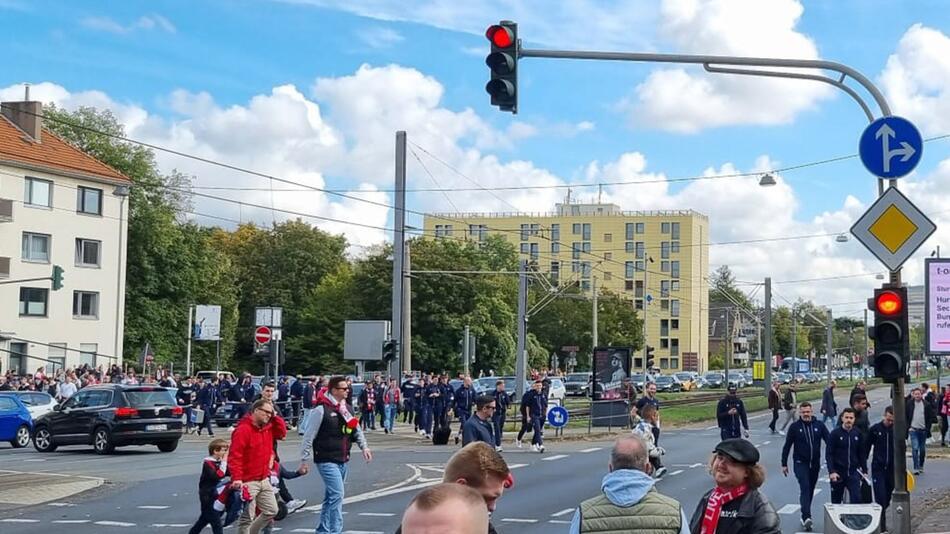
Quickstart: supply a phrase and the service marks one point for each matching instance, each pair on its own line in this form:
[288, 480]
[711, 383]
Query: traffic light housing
[891, 333]
[650, 359]
[390, 350]
[57, 277]
[263, 352]
[503, 64]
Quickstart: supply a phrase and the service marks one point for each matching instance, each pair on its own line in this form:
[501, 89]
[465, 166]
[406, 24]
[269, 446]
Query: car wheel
[43, 440]
[102, 441]
[22, 437]
[168, 446]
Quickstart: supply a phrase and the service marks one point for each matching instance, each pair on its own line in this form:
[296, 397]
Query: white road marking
[695, 465]
[349, 531]
[17, 520]
[559, 522]
[60, 504]
[170, 525]
[35, 460]
[152, 507]
[555, 457]
[592, 449]
[516, 466]
[678, 471]
[789, 509]
[758, 416]
[562, 512]
[71, 521]
[376, 514]
[711, 427]
[518, 520]
[766, 442]
[114, 524]
[817, 491]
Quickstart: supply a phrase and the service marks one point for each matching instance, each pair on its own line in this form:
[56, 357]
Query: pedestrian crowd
[62, 383]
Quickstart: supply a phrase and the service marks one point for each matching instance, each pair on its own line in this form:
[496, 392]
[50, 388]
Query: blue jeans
[918, 443]
[537, 425]
[331, 514]
[499, 423]
[390, 413]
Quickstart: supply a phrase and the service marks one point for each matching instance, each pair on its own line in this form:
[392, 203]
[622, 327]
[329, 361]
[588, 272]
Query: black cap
[740, 450]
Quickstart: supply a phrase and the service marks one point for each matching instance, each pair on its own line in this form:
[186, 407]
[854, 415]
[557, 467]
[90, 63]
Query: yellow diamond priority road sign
[893, 228]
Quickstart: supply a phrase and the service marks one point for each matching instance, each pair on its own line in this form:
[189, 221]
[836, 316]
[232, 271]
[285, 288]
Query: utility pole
[864, 356]
[191, 311]
[830, 348]
[728, 335]
[646, 304]
[465, 352]
[794, 337]
[399, 239]
[768, 335]
[593, 287]
[521, 359]
[404, 350]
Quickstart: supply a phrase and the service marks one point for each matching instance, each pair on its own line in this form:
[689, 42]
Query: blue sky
[201, 77]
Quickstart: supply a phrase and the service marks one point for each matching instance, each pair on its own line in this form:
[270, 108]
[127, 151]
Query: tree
[169, 265]
[723, 291]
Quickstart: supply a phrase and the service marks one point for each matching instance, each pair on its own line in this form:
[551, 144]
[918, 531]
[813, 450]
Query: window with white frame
[88, 252]
[35, 247]
[38, 192]
[86, 304]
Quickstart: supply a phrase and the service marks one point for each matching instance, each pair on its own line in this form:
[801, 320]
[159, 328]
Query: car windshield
[149, 397]
[735, 375]
[663, 379]
[577, 377]
[713, 375]
[684, 376]
[556, 382]
[636, 378]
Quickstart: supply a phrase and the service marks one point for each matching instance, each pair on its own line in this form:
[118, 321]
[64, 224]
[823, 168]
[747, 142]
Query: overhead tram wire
[431, 177]
[358, 199]
[460, 173]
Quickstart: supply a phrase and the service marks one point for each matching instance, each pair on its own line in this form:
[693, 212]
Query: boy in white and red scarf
[214, 469]
[735, 505]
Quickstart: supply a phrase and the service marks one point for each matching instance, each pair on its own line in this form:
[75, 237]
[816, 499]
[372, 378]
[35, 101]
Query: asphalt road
[143, 489]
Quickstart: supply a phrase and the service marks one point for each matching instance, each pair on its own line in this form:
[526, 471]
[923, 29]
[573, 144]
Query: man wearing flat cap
[731, 416]
[735, 505]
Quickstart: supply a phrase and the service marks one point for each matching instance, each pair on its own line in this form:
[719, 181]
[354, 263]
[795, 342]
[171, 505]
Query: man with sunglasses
[479, 427]
[252, 444]
[331, 430]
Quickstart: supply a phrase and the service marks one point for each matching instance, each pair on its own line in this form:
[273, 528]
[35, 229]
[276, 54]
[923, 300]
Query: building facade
[58, 207]
[659, 260]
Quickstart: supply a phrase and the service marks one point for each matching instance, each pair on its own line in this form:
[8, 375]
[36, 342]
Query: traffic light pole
[399, 240]
[900, 501]
[521, 359]
[767, 342]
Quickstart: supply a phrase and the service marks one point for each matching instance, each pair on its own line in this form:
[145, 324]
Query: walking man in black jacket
[829, 407]
[502, 401]
[920, 418]
[731, 416]
[846, 460]
[479, 426]
[806, 436]
[882, 461]
[775, 402]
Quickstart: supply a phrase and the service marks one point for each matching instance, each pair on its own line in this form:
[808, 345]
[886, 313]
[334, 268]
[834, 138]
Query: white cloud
[915, 79]
[145, 22]
[380, 37]
[609, 24]
[689, 99]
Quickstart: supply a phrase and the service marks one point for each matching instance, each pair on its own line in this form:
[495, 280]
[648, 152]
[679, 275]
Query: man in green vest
[628, 502]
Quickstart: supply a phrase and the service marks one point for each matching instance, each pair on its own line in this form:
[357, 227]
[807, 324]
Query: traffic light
[503, 63]
[263, 352]
[890, 333]
[650, 360]
[57, 277]
[390, 350]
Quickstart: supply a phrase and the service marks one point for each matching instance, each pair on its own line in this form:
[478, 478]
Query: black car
[110, 416]
[578, 384]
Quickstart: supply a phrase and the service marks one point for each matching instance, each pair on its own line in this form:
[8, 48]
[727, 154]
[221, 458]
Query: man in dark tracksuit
[207, 399]
[408, 391]
[464, 401]
[882, 461]
[775, 402]
[296, 395]
[731, 416]
[806, 436]
[448, 400]
[502, 401]
[437, 401]
[846, 460]
[537, 406]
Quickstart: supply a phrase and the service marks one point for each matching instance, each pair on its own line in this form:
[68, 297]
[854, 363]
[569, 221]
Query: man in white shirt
[67, 388]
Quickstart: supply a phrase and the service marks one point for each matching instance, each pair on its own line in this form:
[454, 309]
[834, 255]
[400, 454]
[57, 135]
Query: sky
[313, 91]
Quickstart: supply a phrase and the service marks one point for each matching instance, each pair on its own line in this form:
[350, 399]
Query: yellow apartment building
[657, 259]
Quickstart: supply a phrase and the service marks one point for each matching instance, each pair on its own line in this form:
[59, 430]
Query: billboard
[611, 367]
[207, 326]
[937, 302]
[363, 340]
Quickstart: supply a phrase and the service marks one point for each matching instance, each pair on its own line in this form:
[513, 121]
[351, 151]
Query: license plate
[155, 427]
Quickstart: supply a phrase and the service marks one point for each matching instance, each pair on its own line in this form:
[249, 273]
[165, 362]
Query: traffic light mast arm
[710, 62]
[21, 280]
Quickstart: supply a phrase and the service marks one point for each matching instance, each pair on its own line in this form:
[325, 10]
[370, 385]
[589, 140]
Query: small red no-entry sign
[262, 335]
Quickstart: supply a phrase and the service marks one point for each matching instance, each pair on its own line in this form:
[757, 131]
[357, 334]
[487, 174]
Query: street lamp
[122, 192]
[767, 180]
[841, 238]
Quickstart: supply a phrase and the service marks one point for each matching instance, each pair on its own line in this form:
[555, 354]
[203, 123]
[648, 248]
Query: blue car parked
[16, 425]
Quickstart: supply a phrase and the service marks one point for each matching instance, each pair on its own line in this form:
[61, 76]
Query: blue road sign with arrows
[890, 147]
[557, 416]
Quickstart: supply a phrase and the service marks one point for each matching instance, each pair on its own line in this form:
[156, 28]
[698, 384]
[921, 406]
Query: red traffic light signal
[500, 36]
[889, 303]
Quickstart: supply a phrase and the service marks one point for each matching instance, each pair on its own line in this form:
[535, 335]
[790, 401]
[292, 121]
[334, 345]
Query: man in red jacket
[252, 444]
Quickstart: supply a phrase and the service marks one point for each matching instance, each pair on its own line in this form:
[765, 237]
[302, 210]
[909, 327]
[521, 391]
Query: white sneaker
[534, 447]
[540, 448]
[499, 449]
[806, 524]
[659, 472]
[295, 505]
[518, 443]
[781, 432]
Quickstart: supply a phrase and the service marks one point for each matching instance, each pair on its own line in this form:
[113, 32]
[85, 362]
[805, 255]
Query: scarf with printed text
[717, 499]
